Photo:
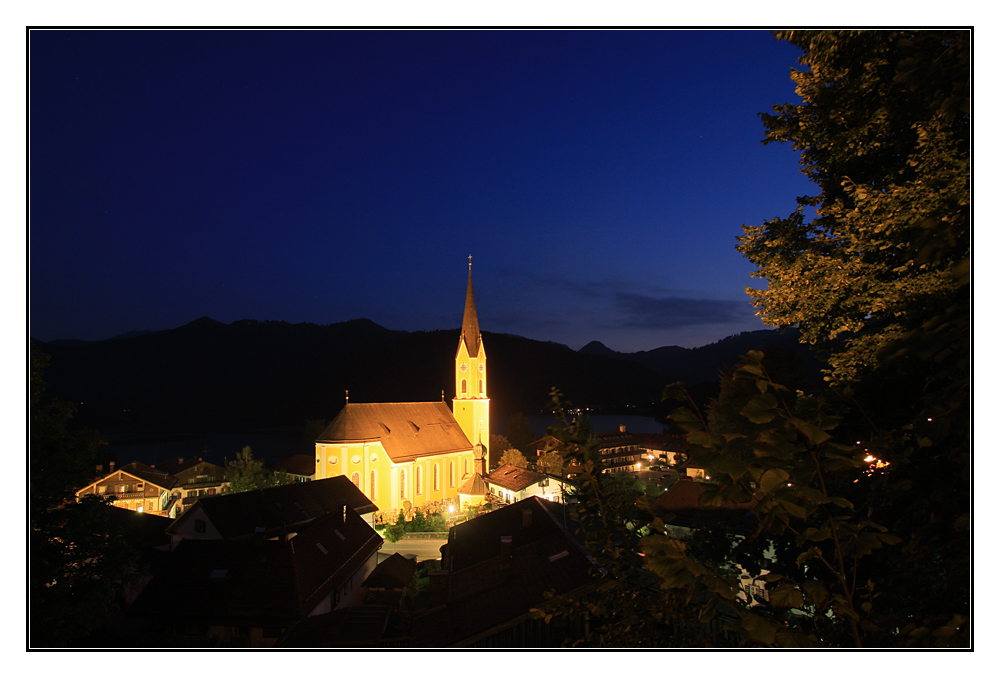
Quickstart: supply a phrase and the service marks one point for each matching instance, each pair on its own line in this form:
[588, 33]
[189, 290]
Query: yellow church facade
[413, 455]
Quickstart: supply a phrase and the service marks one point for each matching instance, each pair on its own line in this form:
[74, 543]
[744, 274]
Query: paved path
[423, 549]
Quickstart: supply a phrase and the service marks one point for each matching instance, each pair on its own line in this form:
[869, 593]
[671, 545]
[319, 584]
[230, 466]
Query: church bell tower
[472, 405]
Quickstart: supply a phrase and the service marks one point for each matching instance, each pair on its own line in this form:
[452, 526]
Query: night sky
[599, 179]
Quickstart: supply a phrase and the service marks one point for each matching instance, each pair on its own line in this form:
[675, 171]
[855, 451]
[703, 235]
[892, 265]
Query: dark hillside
[207, 375]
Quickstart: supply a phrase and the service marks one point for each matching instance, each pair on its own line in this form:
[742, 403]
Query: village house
[136, 487]
[195, 478]
[511, 484]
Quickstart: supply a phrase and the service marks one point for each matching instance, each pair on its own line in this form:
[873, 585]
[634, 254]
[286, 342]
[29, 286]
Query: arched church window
[356, 479]
[465, 467]
[437, 477]
[451, 474]
[402, 483]
[373, 486]
[464, 389]
[418, 481]
[480, 387]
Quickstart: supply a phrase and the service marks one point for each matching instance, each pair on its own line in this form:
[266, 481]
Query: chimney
[100, 469]
[111, 468]
[505, 545]
[622, 428]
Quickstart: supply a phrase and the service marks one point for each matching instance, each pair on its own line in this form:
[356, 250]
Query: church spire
[470, 322]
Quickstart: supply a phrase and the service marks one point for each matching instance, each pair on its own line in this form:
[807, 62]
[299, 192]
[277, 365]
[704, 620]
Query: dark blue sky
[599, 179]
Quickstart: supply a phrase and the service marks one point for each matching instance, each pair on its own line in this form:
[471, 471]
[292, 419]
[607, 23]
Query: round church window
[374, 456]
[333, 460]
[356, 459]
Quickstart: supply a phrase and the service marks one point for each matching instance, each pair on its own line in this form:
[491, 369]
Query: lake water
[274, 445]
[600, 422]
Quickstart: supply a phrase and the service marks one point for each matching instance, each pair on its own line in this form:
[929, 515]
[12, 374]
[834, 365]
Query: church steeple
[470, 321]
[472, 403]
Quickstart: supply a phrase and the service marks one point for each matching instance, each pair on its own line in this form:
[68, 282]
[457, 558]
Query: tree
[246, 472]
[883, 131]
[519, 431]
[551, 462]
[881, 274]
[513, 457]
[498, 445]
[80, 563]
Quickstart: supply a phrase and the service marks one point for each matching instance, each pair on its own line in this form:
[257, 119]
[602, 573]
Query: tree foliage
[860, 492]
[883, 131]
[246, 472]
[79, 561]
[513, 457]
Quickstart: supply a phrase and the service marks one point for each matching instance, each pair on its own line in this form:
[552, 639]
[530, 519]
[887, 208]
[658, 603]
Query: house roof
[406, 430]
[180, 464]
[525, 521]
[683, 499]
[276, 508]
[513, 478]
[474, 486]
[251, 582]
[395, 572]
[498, 590]
[141, 529]
[140, 471]
[662, 441]
[297, 464]
[619, 438]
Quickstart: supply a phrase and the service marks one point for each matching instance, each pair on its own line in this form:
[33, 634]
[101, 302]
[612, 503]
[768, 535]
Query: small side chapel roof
[474, 486]
[406, 430]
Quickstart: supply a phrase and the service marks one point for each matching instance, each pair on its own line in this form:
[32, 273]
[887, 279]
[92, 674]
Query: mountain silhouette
[210, 376]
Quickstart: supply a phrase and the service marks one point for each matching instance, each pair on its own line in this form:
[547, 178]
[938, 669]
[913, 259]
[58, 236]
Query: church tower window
[464, 389]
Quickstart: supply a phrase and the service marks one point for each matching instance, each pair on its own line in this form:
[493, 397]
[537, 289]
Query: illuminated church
[405, 455]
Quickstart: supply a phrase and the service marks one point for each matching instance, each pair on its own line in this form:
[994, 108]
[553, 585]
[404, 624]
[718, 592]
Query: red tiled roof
[685, 495]
[406, 430]
[513, 478]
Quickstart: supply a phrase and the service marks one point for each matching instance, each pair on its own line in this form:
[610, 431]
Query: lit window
[371, 494]
[437, 477]
[464, 389]
[418, 481]
[451, 474]
[356, 479]
[402, 483]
